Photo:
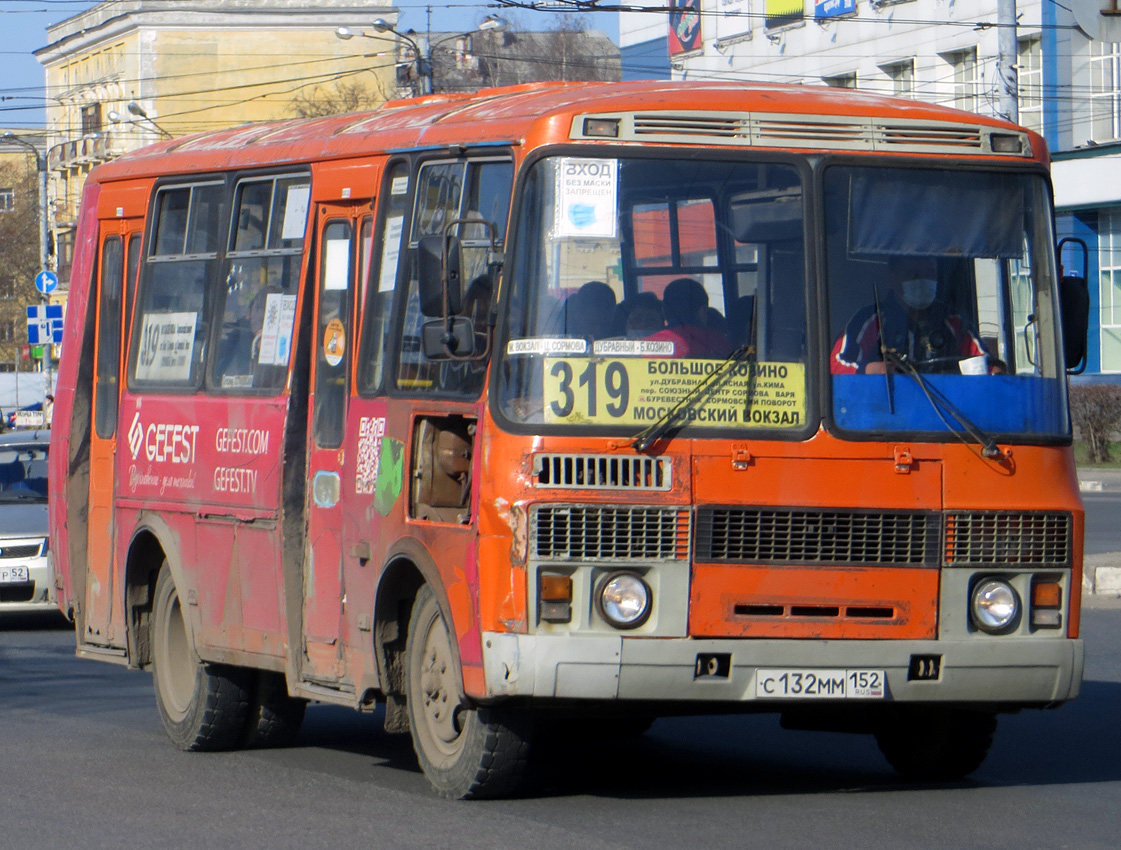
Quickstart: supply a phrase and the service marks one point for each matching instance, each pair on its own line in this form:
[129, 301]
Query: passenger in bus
[241, 344]
[637, 315]
[685, 306]
[916, 326]
[589, 311]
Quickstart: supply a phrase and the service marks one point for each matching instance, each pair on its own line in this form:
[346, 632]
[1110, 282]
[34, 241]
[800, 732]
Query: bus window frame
[805, 165]
[148, 261]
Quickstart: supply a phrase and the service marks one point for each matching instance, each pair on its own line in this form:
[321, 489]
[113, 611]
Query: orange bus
[589, 402]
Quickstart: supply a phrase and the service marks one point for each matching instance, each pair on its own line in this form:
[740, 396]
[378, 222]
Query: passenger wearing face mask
[915, 325]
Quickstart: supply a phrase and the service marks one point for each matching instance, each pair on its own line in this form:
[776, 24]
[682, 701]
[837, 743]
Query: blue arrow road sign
[46, 282]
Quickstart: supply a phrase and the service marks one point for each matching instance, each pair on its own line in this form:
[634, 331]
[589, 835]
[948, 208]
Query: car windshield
[23, 472]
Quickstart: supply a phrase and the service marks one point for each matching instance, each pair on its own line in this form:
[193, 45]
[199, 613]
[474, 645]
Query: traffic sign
[46, 282]
[44, 324]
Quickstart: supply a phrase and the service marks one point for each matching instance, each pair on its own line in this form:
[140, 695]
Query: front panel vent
[1014, 538]
[609, 533]
[602, 472]
[823, 132]
[800, 536]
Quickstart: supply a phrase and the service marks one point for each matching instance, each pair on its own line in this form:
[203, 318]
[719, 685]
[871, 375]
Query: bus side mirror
[1074, 306]
[438, 264]
[455, 337]
[1074, 309]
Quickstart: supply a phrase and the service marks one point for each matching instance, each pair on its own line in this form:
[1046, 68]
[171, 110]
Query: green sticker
[391, 473]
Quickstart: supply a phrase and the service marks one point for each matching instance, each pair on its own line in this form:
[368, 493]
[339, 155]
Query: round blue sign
[46, 282]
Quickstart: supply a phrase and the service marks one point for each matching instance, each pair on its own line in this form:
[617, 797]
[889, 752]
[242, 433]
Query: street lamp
[423, 50]
[137, 111]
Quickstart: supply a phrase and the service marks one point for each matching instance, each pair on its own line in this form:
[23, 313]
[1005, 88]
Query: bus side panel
[69, 462]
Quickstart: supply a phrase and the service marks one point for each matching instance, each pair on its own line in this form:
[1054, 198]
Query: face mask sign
[918, 293]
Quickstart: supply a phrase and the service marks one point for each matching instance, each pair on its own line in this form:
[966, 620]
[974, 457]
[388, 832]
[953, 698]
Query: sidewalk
[1101, 574]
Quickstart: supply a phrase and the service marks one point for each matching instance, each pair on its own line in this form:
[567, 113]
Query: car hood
[23, 520]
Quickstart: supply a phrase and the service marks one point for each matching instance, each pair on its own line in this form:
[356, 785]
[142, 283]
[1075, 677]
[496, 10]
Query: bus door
[338, 261]
[103, 604]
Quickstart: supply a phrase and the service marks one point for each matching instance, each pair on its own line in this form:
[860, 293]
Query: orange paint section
[813, 602]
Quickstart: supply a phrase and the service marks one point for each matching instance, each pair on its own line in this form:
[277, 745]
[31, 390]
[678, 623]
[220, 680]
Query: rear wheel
[937, 744]
[465, 751]
[274, 718]
[202, 706]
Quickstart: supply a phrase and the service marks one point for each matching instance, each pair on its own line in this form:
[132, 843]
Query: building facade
[127, 73]
[1068, 75]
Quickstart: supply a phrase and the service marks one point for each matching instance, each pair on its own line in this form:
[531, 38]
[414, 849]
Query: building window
[841, 81]
[7, 199]
[1105, 91]
[964, 65]
[91, 119]
[902, 76]
[7, 331]
[1109, 287]
[1030, 82]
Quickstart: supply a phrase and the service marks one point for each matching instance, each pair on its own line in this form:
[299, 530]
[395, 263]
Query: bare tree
[19, 257]
[339, 99]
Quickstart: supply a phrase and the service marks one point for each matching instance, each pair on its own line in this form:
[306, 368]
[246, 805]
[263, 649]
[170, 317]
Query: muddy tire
[202, 706]
[466, 752]
[273, 718]
[937, 745]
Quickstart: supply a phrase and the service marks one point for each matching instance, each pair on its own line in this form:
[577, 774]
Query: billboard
[779, 13]
[732, 20]
[833, 8]
[685, 27]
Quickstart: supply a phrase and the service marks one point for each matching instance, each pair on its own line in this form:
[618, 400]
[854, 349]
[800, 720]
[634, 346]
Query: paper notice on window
[587, 197]
[390, 252]
[167, 347]
[276, 333]
[295, 212]
[336, 266]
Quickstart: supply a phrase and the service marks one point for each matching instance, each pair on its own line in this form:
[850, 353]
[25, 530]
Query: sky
[23, 29]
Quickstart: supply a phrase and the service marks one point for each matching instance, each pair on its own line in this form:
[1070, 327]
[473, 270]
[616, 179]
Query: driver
[916, 326]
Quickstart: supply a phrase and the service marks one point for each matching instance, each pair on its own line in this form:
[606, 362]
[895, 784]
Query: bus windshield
[638, 278]
[942, 302]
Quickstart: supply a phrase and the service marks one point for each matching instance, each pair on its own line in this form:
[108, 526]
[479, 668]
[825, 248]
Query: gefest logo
[163, 442]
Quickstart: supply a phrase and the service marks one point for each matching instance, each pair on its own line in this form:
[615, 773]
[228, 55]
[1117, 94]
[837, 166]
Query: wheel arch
[407, 568]
[152, 543]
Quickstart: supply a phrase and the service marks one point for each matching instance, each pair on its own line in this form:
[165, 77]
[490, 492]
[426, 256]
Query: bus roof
[716, 113]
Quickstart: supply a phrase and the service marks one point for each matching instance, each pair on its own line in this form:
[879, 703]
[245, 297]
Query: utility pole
[1007, 57]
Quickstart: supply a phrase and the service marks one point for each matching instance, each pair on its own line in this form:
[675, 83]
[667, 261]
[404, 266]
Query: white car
[26, 575]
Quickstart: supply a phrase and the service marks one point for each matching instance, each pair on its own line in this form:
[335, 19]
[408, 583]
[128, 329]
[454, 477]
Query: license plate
[13, 575]
[819, 684]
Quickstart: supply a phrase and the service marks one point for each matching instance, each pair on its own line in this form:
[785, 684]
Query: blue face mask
[918, 294]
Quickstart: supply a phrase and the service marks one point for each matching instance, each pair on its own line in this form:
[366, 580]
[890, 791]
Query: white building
[943, 51]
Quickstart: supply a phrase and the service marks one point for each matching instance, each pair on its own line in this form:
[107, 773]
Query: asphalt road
[84, 763]
[1103, 522]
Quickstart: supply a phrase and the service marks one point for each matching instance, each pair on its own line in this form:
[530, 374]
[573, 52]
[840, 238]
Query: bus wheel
[937, 744]
[274, 718]
[202, 706]
[466, 752]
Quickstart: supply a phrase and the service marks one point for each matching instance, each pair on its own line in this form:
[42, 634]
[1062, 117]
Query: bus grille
[602, 472]
[796, 536]
[982, 538]
[609, 533]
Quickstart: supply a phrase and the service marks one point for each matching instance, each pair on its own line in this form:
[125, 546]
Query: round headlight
[623, 599]
[995, 605]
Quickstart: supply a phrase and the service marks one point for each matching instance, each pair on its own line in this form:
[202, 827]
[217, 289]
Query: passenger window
[333, 337]
[262, 273]
[172, 316]
[108, 338]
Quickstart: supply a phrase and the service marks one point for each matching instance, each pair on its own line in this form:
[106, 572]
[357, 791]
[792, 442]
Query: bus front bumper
[1005, 672]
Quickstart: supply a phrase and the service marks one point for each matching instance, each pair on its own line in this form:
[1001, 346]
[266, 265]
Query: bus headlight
[995, 605]
[623, 600]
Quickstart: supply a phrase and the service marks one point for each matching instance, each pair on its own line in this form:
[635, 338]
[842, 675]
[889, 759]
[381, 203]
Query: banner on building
[685, 27]
[833, 8]
[733, 20]
[779, 13]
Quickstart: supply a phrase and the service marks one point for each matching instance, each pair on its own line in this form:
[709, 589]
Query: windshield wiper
[669, 421]
[942, 406]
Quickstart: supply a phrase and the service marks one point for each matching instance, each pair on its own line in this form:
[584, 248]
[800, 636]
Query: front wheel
[202, 706]
[465, 751]
[937, 744]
